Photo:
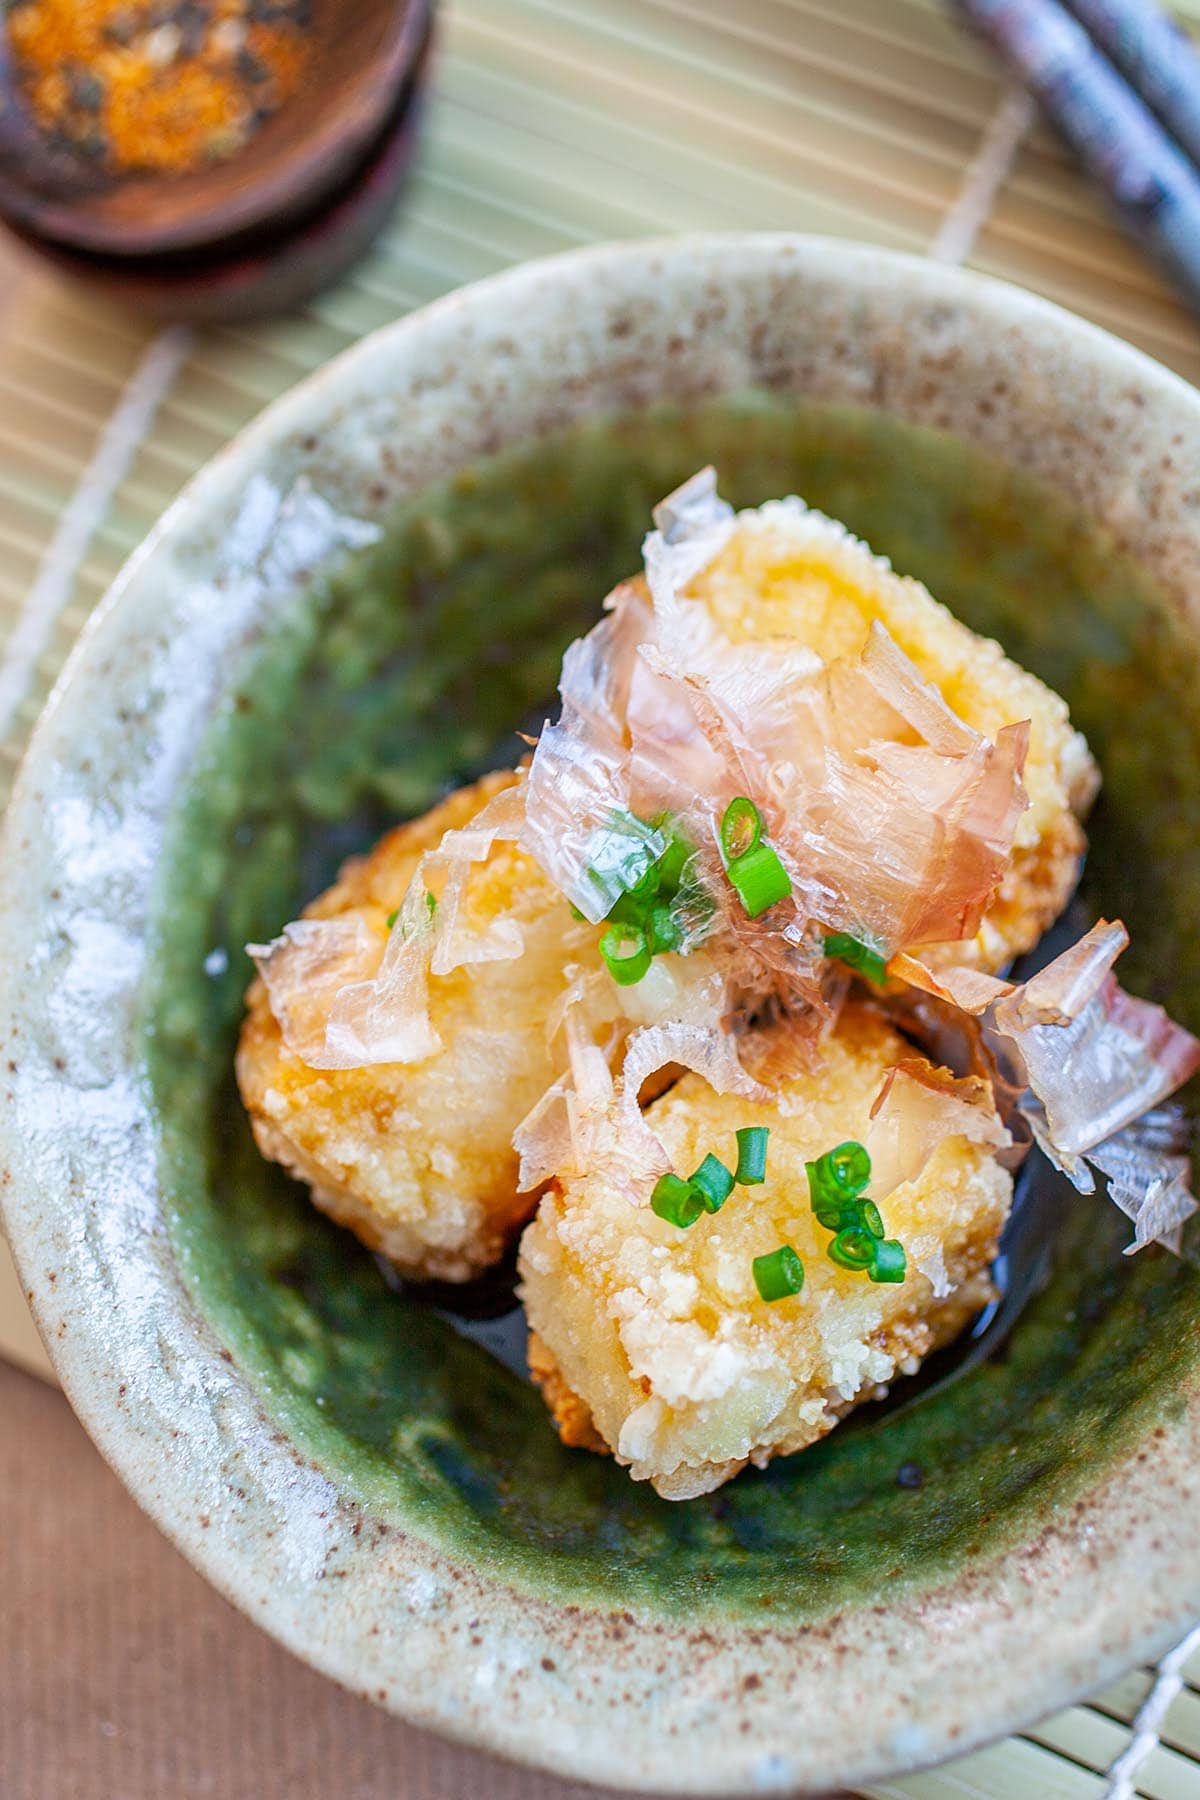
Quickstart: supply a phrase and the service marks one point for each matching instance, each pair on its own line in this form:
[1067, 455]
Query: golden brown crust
[908, 1341]
[417, 1159]
[570, 1414]
[657, 1340]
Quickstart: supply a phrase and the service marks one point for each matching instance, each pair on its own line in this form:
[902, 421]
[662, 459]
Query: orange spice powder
[143, 86]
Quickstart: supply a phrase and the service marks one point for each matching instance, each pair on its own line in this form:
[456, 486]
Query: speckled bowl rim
[441, 1643]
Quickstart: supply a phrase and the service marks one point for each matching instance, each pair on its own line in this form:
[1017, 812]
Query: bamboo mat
[556, 123]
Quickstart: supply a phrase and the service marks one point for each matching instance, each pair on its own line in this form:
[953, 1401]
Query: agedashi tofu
[655, 1343]
[417, 1157]
[791, 573]
[650, 989]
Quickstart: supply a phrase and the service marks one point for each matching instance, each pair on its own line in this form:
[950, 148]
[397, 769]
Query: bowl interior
[407, 668]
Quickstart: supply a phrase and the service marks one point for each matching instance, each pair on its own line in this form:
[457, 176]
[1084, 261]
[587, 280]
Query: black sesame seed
[122, 28]
[86, 90]
[251, 69]
[93, 145]
[194, 21]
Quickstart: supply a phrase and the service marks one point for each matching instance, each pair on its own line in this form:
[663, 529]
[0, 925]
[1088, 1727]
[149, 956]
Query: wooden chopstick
[1146, 173]
[1156, 57]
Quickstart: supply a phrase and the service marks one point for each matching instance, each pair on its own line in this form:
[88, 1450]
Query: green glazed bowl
[358, 604]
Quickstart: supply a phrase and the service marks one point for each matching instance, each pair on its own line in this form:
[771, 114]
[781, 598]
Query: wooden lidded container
[254, 227]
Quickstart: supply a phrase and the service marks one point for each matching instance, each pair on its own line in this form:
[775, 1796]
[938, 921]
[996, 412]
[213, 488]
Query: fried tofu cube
[417, 1159]
[789, 572]
[654, 1342]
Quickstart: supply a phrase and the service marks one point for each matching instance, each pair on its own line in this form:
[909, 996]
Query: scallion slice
[835, 1187]
[845, 1217]
[673, 861]
[714, 1182]
[677, 1201]
[642, 891]
[760, 879]
[889, 1263]
[852, 1249]
[866, 959]
[849, 1166]
[626, 953]
[751, 1168]
[391, 919]
[622, 856]
[836, 1179]
[870, 1215]
[779, 1274]
[636, 902]
[741, 828]
[665, 931]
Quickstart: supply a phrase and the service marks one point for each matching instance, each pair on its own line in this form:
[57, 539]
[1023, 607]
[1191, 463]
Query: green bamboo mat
[556, 123]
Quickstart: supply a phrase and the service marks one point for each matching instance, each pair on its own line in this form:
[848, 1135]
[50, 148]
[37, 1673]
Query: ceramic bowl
[358, 603]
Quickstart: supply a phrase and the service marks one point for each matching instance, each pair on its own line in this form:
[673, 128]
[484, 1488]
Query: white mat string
[985, 175]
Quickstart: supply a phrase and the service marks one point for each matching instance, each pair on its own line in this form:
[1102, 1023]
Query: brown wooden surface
[123, 1676]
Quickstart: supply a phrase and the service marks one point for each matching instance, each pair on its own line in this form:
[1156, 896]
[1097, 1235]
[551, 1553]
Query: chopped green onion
[863, 957]
[760, 879]
[751, 864]
[621, 856]
[846, 1217]
[641, 890]
[636, 901]
[860, 1215]
[626, 953]
[889, 1262]
[779, 1274]
[836, 1178]
[870, 1215]
[430, 903]
[665, 930]
[741, 828]
[677, 1201]
[835, 1184]
[392, 917]
[647, 885]
[673, 861]
[714, 1183]
[628, 910]
[852, 1249]
[752, 1155]
[850, 1166]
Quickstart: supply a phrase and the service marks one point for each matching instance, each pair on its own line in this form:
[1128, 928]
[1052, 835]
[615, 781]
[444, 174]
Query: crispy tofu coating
[789, 573]
[654, 1342]
[417, 1159]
